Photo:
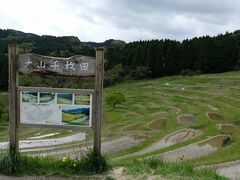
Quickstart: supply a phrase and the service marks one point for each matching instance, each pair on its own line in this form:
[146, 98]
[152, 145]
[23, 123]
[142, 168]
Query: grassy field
[197, 96]
[69, 117]
[157, 107]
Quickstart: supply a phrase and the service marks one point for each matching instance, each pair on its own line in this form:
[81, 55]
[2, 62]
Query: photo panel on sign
[64, 98]
[29, 97]
[75, 115]
[47, 97]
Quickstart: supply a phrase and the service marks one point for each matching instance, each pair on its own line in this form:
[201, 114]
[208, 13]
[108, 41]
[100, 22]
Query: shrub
[140, 72]
[1, 109]
[236, 68]
[3, 113]
[4, 117]
[113, 75]
[197, 72]
[187, 72]
[115, 98]
[228, 140]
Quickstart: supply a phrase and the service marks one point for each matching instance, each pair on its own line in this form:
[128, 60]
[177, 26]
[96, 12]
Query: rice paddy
[157, 109]
[158, 124]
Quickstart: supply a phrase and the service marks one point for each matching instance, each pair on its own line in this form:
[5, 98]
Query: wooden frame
[57, 90]
[89, 67]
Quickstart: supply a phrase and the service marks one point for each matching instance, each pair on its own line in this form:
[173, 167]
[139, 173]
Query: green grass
[91, 163]
[229, 152]
[158, 167]
[3, 109]
[217, 90]
[201, 94]
[86, 164]
[69, 117]
[175, 146]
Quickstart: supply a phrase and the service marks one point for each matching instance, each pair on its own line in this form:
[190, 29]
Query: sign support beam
[98, 98]
[13, 52]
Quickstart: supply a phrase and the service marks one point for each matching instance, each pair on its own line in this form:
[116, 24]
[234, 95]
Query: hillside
[40, 44]
[193, 119]
[111, 43]
[64, 46]
[136, 60]
[160, 106]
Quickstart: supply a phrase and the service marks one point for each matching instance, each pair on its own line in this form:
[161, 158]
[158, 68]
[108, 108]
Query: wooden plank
[56, 90]
[84, 128]
[98, 98]
[73, 66]
[13, 97]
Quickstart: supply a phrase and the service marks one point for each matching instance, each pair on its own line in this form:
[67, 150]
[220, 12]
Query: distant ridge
[77, 111]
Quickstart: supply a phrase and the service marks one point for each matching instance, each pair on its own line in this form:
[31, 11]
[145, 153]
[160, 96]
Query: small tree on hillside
[115, 98]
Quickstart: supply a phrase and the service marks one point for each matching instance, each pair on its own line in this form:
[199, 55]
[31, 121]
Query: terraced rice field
[159, 107]
[175, 116]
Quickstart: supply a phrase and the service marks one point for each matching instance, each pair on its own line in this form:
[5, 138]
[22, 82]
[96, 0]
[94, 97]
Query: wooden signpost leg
[98, 98]
[13, 97]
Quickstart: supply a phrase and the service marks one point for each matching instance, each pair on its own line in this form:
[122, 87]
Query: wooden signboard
[73, 66]
[55, 107]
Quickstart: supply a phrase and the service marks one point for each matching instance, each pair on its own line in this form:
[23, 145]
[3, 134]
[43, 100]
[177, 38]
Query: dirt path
[173, 138]
[228, 169]
[194, 150]
[116, 173]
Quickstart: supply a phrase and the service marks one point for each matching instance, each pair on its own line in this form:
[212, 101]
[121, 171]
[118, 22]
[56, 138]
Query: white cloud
[129, 20]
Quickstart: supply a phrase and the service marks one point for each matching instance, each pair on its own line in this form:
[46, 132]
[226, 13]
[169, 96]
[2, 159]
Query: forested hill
[157, 58]
[108, 43]
[136, 60]
[46, 45]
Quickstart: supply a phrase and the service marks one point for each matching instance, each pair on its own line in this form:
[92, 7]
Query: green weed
[10, 162]
[155, 166]
[89, 163]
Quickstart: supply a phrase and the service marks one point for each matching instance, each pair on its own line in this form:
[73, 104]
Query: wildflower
[64, 159]
[74, 165]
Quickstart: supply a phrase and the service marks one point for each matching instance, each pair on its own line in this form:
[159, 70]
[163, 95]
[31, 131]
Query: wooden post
[13, 52]
[98, 98]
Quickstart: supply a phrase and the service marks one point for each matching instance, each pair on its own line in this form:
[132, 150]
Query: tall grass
[154, 166]
[89, 163]
[10, 162]
[93, 162]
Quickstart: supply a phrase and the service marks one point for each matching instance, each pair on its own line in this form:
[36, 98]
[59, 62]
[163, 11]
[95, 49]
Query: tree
[115, 98]
[3, 72]
[140, 72]
[113, 75]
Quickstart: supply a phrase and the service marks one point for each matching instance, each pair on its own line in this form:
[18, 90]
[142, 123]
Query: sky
[128, 20]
